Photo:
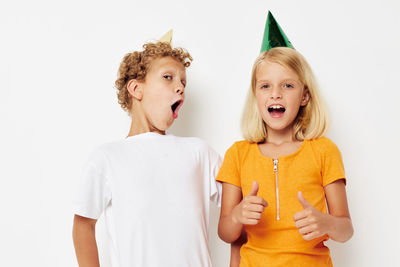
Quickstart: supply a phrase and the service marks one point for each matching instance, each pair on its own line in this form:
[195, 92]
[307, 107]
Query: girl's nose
[276, 93]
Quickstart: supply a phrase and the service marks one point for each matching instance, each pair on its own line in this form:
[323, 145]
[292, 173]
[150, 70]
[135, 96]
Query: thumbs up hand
[249, 210]
[311, 222]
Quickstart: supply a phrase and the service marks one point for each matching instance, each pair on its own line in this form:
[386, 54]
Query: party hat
[167, 38]
[274, 35]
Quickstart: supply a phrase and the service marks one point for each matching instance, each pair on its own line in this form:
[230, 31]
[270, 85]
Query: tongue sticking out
[175, 108]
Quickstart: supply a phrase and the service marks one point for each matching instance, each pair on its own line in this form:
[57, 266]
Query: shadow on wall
[190, 123]
[186, 123]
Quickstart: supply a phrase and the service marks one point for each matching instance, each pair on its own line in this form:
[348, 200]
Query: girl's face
[163, 92]
[279, 95]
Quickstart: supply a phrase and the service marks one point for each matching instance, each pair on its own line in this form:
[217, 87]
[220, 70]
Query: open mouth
[276, 110]
[175, 107]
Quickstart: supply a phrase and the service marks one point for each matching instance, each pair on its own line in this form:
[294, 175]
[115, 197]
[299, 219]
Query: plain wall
[58, 64]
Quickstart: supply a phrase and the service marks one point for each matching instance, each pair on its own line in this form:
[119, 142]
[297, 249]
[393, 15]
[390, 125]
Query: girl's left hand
[311, 222]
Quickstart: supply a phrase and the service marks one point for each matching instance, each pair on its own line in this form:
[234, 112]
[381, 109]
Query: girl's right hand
[249, 210]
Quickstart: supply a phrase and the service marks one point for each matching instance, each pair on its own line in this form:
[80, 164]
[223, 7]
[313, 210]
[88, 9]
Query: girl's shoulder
[239, 149]
[323, 145]
[241, 145]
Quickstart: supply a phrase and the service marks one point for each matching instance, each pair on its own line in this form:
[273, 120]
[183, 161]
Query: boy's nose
[179, 89]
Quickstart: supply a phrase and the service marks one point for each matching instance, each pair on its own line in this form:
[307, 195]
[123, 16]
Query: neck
[140, 124]
[280, 137]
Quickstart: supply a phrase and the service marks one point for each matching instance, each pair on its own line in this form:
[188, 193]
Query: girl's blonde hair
[311, 121]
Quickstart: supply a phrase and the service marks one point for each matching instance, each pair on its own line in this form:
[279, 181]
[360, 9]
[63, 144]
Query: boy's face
[163, 92]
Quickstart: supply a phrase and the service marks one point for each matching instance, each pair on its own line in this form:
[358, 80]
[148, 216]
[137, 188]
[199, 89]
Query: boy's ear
[306, 97]
[135, 89]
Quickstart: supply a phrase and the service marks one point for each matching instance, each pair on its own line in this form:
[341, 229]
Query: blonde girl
[277, 182]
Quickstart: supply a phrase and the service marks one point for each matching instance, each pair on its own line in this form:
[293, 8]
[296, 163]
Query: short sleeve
[93, 193]
[229, 171]
[333, 168]
[215, 186]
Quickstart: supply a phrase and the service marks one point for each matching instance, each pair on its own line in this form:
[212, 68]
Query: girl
[276, 182]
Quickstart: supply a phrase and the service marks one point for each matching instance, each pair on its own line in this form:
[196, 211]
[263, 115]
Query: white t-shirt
[155, 191]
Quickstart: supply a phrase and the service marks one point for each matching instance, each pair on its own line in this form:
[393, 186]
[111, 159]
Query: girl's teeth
[276, 106]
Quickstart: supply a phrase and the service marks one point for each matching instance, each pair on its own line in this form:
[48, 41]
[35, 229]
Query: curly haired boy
[154, 188]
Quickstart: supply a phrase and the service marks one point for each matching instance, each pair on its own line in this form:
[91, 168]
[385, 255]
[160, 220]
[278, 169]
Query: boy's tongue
[175, 108]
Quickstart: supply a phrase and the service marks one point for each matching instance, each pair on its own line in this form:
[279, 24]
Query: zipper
[277, 188]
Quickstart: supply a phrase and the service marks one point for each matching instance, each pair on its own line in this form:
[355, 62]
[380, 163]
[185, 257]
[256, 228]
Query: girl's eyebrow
[291, 80]
[262, 81]
[284, 80]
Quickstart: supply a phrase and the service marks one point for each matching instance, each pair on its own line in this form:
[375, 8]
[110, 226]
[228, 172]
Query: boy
[154, 188]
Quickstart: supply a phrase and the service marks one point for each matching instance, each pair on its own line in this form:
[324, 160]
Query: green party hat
[273, 35]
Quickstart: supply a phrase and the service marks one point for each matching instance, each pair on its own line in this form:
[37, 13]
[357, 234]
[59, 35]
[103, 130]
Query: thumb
[254, 189]
[303, 201]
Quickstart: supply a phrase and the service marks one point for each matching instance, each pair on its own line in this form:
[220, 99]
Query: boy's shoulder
[196, 144]
[196, 141]
[152, 141]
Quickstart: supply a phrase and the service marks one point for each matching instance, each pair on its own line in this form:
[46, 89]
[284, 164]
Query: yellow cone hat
[167, 38]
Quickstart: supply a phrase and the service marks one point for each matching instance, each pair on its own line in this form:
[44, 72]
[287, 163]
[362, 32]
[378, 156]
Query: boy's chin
[164, 126]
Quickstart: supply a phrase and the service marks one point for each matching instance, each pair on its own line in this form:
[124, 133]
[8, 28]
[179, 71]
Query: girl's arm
[341, 226]
[85, 241]
[235, 211]
[337, 224]
[229, 228]
[235, 249]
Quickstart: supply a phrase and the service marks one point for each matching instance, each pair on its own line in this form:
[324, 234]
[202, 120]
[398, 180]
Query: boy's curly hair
[136, 64]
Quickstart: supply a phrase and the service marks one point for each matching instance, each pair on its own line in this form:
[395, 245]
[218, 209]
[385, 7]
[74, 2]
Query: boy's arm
[85, 241]
[235, 249]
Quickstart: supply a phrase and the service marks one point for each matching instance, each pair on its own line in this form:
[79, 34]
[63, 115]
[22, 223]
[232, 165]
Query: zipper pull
[275, 165]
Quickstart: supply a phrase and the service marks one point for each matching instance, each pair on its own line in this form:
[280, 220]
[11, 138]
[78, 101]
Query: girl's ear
[135, 89]
[305, 98]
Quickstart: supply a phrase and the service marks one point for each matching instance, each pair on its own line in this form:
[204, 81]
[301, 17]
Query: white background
[58, 63]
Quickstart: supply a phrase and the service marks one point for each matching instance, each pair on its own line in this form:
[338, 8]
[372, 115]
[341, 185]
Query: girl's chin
[279, 127]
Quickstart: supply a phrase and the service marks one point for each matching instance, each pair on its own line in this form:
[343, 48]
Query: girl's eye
[288, 85]
[168, 77]
[264, 86]
[183, 83]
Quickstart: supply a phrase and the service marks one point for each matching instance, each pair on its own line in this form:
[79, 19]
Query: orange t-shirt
[275, 240]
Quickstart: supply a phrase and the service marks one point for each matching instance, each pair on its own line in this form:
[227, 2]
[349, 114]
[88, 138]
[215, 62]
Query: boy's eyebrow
[171, 70]
[167, 70]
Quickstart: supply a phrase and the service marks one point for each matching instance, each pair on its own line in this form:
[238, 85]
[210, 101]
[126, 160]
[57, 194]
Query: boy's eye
[168, 77]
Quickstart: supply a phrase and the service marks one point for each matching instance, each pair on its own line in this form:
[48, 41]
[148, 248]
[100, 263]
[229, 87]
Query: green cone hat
[274, 35]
